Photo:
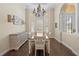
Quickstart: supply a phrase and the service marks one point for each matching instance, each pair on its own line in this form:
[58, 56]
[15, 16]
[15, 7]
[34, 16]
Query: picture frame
[9, 18]
[17, 20]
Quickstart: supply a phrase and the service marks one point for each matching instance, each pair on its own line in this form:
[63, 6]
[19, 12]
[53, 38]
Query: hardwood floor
[56, 49]
[23, 51]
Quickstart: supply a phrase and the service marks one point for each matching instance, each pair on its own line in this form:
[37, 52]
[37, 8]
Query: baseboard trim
[58, 40]
[70, 48]
[4, 52]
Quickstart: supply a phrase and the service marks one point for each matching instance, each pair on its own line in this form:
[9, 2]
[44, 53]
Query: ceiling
[43, 5]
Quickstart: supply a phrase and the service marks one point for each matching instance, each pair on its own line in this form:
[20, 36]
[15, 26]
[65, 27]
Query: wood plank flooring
[56, 49]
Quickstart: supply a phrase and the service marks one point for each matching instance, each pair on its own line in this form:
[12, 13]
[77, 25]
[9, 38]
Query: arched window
[67, 18]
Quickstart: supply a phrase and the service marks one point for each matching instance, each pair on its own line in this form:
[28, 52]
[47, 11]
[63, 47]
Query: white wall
[70, 40]
[51, 22]
[57, 12]
[27, 19]
[7, 28]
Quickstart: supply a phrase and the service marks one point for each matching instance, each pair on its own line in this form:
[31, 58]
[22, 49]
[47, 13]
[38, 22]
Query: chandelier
[39, 11]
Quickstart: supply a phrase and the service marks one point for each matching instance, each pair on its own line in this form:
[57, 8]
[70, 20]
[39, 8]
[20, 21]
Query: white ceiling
[43, 5]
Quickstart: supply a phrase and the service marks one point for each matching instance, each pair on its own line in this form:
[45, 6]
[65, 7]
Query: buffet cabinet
[17, 40]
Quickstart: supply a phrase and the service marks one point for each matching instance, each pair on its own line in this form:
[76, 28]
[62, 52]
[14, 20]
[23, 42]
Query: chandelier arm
[39, 11]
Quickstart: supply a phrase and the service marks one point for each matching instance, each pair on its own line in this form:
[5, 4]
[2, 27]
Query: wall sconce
[74, 30]
[22, 21]
[55, 25]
